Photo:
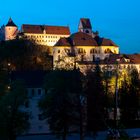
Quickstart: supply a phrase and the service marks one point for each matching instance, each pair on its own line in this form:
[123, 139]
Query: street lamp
[9, 76]
[9, 64]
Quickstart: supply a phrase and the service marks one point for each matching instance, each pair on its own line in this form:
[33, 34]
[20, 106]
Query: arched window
[80, 50]
[58, 51]
[108, 50]
[92, 51]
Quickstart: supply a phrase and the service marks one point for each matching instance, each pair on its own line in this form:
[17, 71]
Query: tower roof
[86, 23]
[11, 23]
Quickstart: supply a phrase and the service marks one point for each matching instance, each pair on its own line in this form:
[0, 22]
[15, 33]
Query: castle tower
[11, 30]
[85, 26]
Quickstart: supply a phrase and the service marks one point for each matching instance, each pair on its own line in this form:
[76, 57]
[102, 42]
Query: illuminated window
[80, 50]
[108, 50]
[93, 51]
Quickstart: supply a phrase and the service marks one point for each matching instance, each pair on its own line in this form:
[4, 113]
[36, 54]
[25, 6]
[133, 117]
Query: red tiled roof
[107, 42]
[63, 42]
[113, 59]
[82, 39]
[39, 29]
[86, 23]
[135, 58]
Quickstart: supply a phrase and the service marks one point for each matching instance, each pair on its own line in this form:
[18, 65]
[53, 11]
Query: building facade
[82, 47]
[35, 92]
[119, 62]
[40, 34]
[43, 34]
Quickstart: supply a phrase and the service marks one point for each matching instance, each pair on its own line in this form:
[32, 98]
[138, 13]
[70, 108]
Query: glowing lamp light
[9, 87]
[9, 64]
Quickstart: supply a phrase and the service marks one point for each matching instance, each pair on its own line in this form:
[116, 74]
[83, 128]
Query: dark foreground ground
[101, 136]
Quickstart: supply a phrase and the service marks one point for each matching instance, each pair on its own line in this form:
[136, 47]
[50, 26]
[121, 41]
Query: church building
[83, 46]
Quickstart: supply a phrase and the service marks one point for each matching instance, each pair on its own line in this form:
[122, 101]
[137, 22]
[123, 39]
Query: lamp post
[9, 74]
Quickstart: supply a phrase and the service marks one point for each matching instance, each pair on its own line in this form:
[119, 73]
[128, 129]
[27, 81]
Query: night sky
[118, 20]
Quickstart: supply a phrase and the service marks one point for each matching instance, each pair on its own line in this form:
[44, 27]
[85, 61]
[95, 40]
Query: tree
[124, 100]
[3, 82]
[24, 54]
[95, 100]
[129, 94]
[135, 93]
[13, 120]
[60, 105]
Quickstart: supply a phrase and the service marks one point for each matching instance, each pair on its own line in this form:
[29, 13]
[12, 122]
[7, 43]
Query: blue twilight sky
[118, 20]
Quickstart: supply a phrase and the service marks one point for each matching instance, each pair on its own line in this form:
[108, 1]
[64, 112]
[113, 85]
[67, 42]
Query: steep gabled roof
[82, 39]
[104, 42]
[63, 42]
[86, 23]
[39, 29]
[11, 23]
[107, 42]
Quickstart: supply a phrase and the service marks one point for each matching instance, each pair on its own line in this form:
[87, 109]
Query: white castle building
[44, 34]
[40, 34]
[82, 49]
[83, 46]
